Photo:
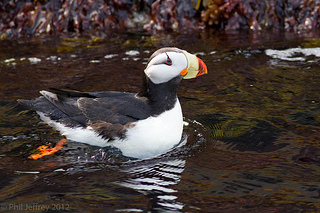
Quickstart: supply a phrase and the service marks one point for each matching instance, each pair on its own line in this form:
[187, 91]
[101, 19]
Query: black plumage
[108, 113]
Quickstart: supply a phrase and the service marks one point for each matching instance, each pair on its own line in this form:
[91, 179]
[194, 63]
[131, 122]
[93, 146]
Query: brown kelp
[33, 17]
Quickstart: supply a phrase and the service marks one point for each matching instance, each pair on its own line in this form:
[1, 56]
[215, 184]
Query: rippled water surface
[252, 126]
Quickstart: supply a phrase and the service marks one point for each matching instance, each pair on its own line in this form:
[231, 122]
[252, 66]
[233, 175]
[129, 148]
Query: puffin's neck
[161, 97]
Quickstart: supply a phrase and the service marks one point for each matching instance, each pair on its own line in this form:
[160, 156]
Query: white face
[160, 70]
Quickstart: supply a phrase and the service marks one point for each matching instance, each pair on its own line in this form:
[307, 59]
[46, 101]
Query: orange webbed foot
[44, 150]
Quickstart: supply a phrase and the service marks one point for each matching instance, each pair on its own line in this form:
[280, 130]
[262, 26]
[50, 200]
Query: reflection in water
[293, 57]
[294, 54]
[155, 180]
[243, 134]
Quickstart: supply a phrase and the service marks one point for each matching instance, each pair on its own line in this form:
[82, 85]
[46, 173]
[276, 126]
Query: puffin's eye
[169, 61]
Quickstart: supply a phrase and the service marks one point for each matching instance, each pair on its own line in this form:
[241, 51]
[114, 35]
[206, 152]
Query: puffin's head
[170, 62]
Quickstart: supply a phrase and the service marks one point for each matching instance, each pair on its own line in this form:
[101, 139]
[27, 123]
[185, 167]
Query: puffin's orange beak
[202, 68]
[195, 67]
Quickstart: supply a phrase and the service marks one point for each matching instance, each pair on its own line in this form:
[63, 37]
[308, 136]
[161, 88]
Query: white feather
[49, 95]
[78, 134]
[159, 72]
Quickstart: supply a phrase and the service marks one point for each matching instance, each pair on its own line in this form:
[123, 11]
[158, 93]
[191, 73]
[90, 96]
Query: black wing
[84, 108]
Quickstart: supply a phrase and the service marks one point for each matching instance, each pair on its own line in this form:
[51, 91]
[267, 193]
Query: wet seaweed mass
[33, 17]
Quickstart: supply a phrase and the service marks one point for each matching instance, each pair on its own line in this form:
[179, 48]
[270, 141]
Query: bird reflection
[156, 180]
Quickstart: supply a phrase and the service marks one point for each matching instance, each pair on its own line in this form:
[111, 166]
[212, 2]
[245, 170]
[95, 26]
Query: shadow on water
[243, 134]
[251, 127]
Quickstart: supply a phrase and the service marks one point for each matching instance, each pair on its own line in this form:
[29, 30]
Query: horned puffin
[141, 125]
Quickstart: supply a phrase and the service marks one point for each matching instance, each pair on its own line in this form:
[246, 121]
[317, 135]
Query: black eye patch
[169, 61]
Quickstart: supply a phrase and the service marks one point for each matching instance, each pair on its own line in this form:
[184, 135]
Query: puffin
[142, 125]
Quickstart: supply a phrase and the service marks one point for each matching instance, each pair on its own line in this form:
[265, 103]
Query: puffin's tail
[48, 106]
[38, 104]
[26, 103]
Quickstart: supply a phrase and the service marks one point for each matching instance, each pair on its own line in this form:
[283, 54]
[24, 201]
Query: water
[252, 126]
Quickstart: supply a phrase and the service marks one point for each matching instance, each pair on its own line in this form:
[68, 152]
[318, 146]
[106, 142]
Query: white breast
[154, 135]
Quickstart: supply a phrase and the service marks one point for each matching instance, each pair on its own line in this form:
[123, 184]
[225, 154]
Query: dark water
[252, 134]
